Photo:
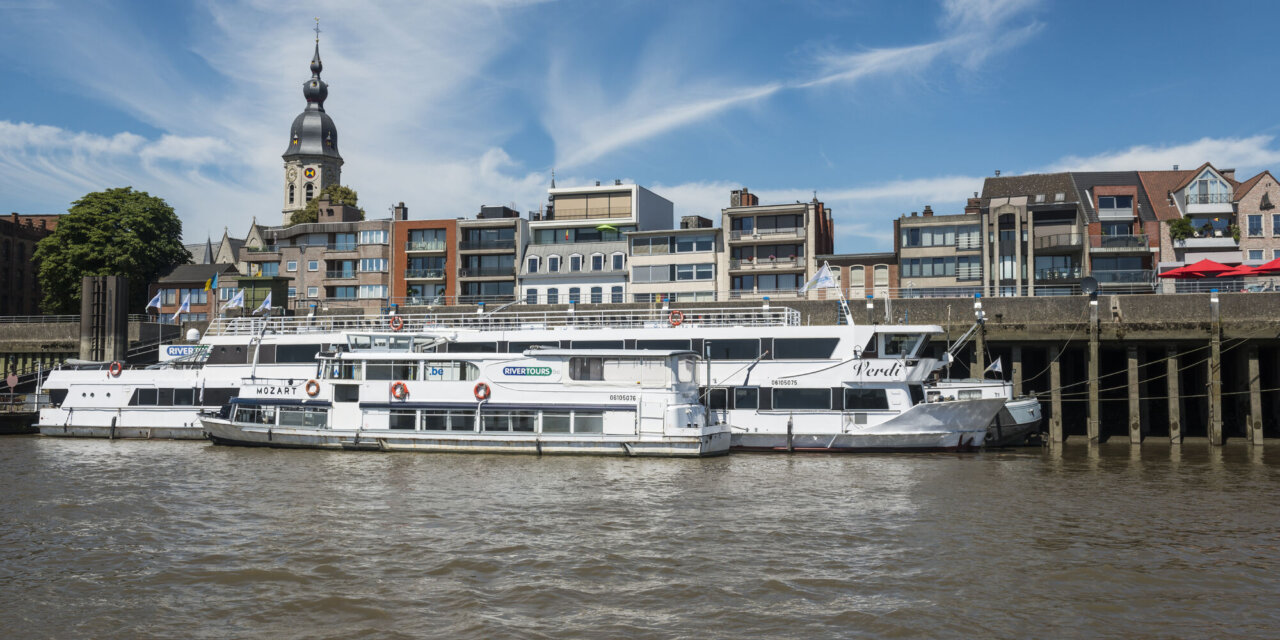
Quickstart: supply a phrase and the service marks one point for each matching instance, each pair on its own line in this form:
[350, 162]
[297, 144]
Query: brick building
[19, 282]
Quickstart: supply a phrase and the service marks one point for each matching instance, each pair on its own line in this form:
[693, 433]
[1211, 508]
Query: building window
[373, 236]
[597, 295]
[575, 295]
[617, 261]
[533, 265]
[553, 296]
[615, 295]
[291, 265]
[690, 244]
[655, 273]
[881, 275]
[553, 264]
[1115, 202]
[575, 263]
[373, 265]
[1275, 224]
[1255, 254]
[310, 191]
[597, 262]
[342, 293]
[1255, 226]
[373, 291]
[291, 194]
[313, 265]
[267, 269]
[695, 271]
[293, 292]
[531, 296]
[313, 292]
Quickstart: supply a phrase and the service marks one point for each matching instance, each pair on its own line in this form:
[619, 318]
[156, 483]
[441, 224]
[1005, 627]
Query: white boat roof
[610, 353]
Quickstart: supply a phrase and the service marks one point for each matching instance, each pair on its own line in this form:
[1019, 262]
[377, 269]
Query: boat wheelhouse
[395, 392]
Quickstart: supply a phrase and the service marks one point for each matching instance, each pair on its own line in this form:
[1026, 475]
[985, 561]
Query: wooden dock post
[1055, 392]
[1135, 398]
[1094, 423]
[1174, 393]
[1254, 428]
[1016, 356]
[1215, 372]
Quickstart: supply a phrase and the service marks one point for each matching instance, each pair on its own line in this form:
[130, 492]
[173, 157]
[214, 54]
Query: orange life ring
[482, 391]
[313, 388]
[397, 323]
[115, 369]
[675, 318]
[399, 390]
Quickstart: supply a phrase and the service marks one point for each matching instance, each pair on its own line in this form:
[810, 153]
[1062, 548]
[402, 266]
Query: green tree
[335, 193]
[117, 232]
[1180, 229]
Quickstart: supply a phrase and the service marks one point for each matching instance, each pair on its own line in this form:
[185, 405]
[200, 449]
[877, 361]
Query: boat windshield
[379, 342]
[903, 345]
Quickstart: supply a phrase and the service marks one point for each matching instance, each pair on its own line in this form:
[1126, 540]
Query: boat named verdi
[390, 393]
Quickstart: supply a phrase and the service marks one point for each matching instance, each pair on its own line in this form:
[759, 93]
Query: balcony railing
[341, 246]
[484, 245]
[486, 272]
[271, 248]
[1058, 273]
[429, 274]
[1208, 198]
[783, 232]
[764, 263]
[1125, 276]
[1060, 241]
[340, 273]
[424, 245]
[1133, 242]
[969, 243]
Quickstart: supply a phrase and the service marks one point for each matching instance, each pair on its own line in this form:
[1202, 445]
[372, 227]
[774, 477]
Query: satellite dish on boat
[1089, 285]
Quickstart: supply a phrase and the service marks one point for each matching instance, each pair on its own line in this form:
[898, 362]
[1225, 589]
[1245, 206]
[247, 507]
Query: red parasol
[1267, 268]
[1240, 271]
[1181, 273]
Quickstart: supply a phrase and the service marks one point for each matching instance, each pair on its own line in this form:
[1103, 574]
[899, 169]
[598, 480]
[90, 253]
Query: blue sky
[881, 107]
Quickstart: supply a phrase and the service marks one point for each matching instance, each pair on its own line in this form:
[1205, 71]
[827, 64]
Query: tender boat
[393, 393]
[1017, 421]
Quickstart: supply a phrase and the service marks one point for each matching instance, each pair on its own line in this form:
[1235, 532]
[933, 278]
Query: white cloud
[1254, 152]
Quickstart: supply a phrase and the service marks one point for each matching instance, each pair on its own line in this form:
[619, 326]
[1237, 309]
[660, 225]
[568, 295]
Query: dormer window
[1208, 188]
[1039, 198]
[1059, 197]
[553, 265]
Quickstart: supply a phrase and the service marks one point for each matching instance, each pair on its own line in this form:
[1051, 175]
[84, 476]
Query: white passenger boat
[392, 393]
[761, 370]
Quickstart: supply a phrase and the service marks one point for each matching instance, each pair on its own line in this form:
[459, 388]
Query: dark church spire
[313, 132]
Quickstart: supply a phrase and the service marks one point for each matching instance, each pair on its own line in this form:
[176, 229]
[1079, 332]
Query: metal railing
[1058, 273]
[782, 232]
[591, 213]
[1124, 276]
[765, 263]
[486, 245]
[271, 248]
[429, 274]
[341, 246]
[1120, 242]
[38, 319]
[340, 274]
[1209, 198]
[424, 245]
[486, 272]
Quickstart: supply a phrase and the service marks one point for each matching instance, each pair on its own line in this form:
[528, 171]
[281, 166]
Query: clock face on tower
[309, 173]
[293, 174]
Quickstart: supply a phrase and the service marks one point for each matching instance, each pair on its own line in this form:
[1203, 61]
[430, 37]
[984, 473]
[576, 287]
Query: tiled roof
[1158, 185]
[1245, 186]
[185, 273]
[1032, 185]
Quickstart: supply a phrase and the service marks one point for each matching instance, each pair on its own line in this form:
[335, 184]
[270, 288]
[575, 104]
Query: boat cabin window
[344, 371]
[647, 372]
[508, 420]
[902, 345]
[390, 370]
[521, 347]
[473, 347]
[684, 369]
[302, 417]
[286, 353]
[184, 397]
[451, 371]
[145, 397]
[217, 396]
[734, 349]
[403, 419]
[804, 348]
[866, 400]
[672, 345]
[970, 394]
[581, 368]
[453, 420]
[718, 398]
[793, 398]
[377, 342]
[746, 398]
[572, 422]
[346, 393]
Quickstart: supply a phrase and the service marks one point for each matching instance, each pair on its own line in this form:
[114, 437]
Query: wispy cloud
[1253, 152]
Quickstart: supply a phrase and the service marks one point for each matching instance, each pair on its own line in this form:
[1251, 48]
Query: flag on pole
[995, 366]
[266, 304]
[185, 308]
[155, 302]
[212, 283]
[236, 301]
[821, 280]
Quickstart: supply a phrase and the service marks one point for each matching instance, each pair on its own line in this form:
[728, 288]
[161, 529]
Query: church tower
[312, 161]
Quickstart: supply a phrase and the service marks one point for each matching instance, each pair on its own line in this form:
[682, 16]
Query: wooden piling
[1016, 356]
[1135, 398]
[1254, 428]
[1215, 372]
[1055, 393]
[1173, 392]
[1094, 422]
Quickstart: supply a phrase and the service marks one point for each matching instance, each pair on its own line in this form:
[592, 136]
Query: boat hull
[1017, 421]
[123, 432]
[940, 426]
[223, 432]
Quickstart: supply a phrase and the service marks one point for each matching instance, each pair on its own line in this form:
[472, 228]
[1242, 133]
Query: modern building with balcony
[1124, 232]
[1256, 200]
[770, 250]
[578, 245]
[1197, 213]
[425, 260]
[937, 256]
[488, 248]
[676, 265]
[1034, 233]
[338, 261]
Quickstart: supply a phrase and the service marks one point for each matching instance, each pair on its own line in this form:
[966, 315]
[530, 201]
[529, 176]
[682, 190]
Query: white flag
[995, 366]
[186, 307]
[821, 280]
[155, 302]
[266, 304]
[236, 301]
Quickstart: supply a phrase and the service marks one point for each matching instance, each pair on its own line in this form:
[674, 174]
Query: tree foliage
[335, 193]
[117, 232]
[1180, 229]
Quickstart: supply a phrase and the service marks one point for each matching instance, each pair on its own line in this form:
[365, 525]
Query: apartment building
[860, 275]
[578, 245]
[19, 285]
[489, 246]
[425, 253]
[770, 250]
[187, 282]
[339, 261]
[937, 256]
[1255, 201]
[678, 265]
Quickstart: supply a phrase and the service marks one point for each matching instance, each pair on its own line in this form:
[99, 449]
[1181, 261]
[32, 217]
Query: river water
[131, 539]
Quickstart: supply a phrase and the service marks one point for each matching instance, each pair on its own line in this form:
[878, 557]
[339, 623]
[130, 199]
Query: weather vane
[317, 30]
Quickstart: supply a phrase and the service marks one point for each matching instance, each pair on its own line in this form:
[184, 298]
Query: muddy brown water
[131, 539]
